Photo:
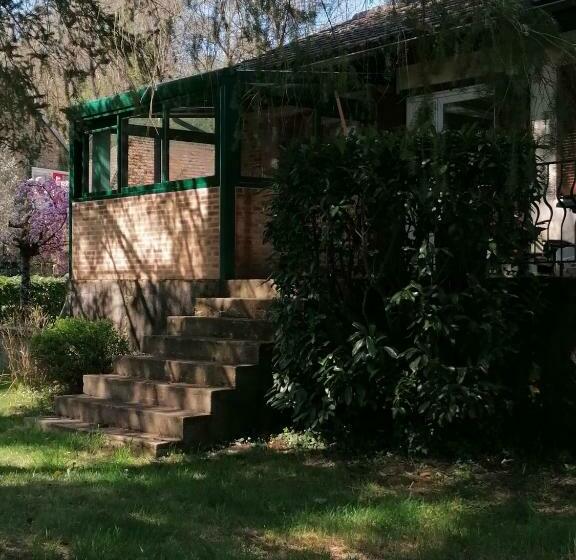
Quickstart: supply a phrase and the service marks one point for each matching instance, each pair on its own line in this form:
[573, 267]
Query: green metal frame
[99, 130]
[155, 188]
[227, 170]
[198, 87]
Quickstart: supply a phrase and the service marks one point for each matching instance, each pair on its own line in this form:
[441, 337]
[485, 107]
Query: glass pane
[473, 113]
[102, 161]
[192, 143]
[144, 150]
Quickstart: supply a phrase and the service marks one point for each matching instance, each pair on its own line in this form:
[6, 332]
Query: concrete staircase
[201, 381]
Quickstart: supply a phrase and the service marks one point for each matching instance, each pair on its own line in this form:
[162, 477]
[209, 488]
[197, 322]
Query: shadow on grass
[62, 497]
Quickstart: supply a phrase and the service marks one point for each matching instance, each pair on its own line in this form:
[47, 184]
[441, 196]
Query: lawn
[64, 497]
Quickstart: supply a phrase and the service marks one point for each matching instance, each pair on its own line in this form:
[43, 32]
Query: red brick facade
[176, 235]
[155, 236]
[168, 236]
[140, 161]
[252, 254]
[263, 134]
[189, 160]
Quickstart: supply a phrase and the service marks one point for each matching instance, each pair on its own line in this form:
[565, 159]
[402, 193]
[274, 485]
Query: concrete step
[247, 308]
[253, 288]
[232, 352]
[156, 420]
[197, 400]
[201, 374]
[112, 436]
[221, 327]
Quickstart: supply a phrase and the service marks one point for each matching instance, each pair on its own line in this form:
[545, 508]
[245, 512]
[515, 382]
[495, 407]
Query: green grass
[65, 497]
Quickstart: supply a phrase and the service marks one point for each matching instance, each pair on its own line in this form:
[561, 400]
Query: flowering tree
[38, 227]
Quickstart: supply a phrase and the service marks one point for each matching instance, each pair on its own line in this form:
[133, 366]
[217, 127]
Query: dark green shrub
[74, 347]
[394, 312]
[48, 293]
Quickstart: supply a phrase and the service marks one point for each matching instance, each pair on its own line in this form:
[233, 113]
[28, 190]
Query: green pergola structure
[214, 94]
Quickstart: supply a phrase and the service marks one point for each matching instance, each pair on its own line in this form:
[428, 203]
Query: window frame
[441, 98]
[118, 123]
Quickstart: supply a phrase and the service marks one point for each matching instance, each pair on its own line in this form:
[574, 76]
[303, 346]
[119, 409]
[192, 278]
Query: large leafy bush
[74, 347]
[393, 309]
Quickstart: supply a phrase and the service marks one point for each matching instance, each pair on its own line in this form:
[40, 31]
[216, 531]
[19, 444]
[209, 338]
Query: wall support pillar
[227, 169]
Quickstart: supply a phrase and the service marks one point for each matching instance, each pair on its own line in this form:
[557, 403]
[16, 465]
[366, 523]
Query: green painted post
[227, 170]
[84, 187]
[121, 153]
[76, 177]
[157, 160]
[165, 175]
[72, 188]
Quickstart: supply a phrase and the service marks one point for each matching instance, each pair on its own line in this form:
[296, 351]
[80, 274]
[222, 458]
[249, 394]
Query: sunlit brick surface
[158, 236]
[167, 236]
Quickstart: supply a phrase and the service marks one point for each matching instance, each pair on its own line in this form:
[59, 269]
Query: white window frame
[437, 101]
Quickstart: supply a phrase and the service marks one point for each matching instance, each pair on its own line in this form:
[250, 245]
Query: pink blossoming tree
[38, 227]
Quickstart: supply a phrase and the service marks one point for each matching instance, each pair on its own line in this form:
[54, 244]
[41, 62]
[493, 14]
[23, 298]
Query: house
[169, 188]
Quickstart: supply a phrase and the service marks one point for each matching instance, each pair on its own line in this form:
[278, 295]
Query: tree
[214, 33]
[37, 227]
[10, 176]
[71, 37]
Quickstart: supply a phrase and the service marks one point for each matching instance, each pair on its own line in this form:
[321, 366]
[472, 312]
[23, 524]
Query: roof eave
[143, 97]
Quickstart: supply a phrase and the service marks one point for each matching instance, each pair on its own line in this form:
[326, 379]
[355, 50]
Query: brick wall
[155, 236]
[140, 161]
[252, 254]
[167, 236]
[187, 160]
[265, 131]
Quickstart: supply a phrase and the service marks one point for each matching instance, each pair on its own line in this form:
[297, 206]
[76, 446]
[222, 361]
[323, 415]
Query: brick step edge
[140, 442]
[198, 373]
[131, 390]
[163, 422]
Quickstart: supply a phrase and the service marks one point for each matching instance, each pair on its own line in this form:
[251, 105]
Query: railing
[554, 254]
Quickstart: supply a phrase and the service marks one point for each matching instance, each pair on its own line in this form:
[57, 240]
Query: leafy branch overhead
[73, 36]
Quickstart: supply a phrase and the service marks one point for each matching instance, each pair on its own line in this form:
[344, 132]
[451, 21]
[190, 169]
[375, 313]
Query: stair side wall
[138, 307]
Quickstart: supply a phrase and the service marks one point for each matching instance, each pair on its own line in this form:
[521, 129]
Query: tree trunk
[25, 283]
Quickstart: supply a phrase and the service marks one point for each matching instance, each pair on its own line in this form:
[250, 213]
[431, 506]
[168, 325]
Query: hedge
[49, 293]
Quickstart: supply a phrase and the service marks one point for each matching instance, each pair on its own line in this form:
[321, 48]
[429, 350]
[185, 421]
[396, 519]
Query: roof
[387, 24]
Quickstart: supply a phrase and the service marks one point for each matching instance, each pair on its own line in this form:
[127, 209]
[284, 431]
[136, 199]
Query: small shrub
[74, 347]
[17, 329]
[305, 440]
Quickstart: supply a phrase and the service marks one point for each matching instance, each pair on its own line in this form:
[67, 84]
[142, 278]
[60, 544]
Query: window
[471, 107]
[173, 144]
[144, 150]
[102, 169]
[192, 143]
